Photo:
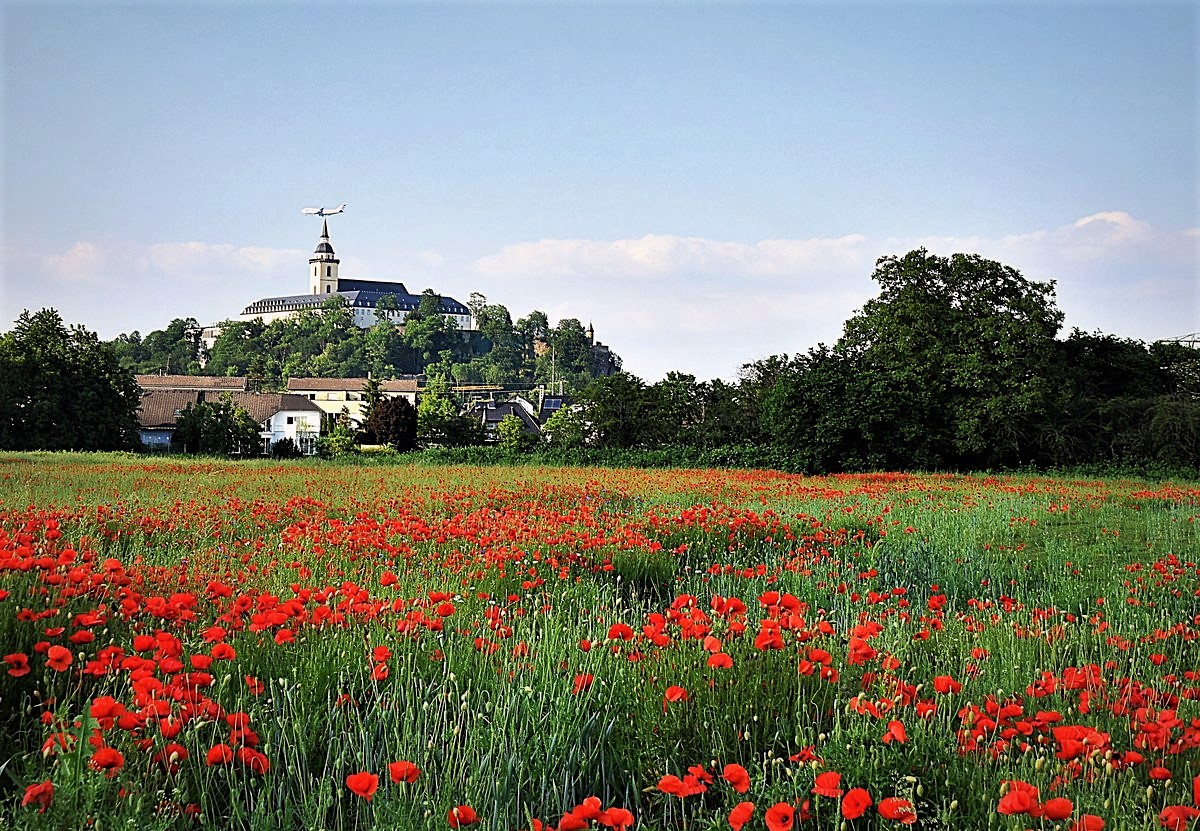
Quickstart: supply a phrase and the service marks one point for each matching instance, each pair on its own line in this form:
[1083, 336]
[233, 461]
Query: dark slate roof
[362, 294]
[160, 408]
[491, 414]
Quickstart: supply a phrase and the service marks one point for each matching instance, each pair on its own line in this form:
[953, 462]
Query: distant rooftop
[231, 383]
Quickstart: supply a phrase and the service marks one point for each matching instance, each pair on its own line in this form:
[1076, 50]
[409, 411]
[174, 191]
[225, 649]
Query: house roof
[349, 385]
[192, 382]
[160, 408]
[491, 414]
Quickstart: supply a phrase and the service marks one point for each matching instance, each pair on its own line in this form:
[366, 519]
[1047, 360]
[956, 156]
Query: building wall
[301, 426]
[332, 401]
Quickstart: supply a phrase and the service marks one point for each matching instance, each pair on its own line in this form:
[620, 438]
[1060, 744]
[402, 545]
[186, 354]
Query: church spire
[323, 265]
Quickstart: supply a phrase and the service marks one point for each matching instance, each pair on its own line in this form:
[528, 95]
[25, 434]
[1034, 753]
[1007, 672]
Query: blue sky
[707, 183]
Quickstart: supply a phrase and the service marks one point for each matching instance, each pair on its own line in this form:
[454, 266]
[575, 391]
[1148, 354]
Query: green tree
[950, 364]
[512, 437]
[238, 349]
[62, 389]
[616, 408]
[393, 421]
[673, 411]
[218, 428]
[568, 427]
[372, 393]
[428, 331]
[438, 420]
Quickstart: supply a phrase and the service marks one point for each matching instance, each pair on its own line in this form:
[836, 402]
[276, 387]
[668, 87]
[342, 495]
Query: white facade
[301, 426]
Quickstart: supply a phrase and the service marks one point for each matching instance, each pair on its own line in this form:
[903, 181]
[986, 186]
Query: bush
[285, 448]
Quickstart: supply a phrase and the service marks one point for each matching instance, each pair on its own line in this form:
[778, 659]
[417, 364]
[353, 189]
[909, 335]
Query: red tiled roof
[348, 385]
[192, 382]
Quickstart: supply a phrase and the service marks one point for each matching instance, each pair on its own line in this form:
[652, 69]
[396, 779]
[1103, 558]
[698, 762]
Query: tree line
[325, 343]
[956, 365]
[959, 363]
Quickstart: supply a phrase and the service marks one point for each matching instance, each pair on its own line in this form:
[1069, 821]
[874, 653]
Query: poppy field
[194, 644]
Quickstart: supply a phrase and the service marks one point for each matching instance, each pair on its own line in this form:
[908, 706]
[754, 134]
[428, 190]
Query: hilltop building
[362, 297]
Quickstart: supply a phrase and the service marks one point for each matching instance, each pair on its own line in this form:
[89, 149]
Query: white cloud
[121, 287]
[431, 258]
[706, 306]
[87, 261]
[82, 262]
[656, 255]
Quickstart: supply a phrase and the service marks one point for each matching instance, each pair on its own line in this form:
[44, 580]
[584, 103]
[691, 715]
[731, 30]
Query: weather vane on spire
[323, 211]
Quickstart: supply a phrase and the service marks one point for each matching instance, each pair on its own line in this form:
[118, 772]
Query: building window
[328, 271]
[289, 419]
[327, 288]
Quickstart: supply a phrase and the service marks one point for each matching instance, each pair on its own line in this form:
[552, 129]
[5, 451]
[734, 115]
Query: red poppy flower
[1088, 822]
[224, 652]
[1177, 817]
[108, 759]
[737, 777]
[674, 693]
[18, 665]
[828, 784]
[720, 661]
[1020, 799]
[221, 754]
[40, 794]
[380, 654]
[740, 815]
[380, 672]
[946, 685]
[895, 733]
[618, 819]
[364, 784]
[895, 808]
[780, 816]
[1057, 808]
[588, 810]
[570, 822]
[253, 759]
[403, 771]
[58, 658]
[106, 707]
[855, 803]
[582, 681]
[462, 815]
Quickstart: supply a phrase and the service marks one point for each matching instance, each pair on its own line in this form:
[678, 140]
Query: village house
[491, 413]
[279, 416]
[333, 395]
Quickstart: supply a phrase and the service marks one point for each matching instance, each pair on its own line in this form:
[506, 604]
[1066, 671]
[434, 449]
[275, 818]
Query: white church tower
[323, 266]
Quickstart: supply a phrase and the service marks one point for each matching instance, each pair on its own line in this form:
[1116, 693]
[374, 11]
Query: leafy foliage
[438, 420]
[512, 437]
[62, 389]
[393, 421]
[217, 427]
[285, 448]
